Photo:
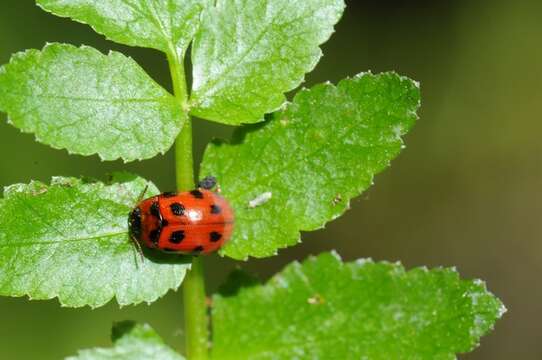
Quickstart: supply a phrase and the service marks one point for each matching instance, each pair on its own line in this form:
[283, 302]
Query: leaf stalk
[195, 309]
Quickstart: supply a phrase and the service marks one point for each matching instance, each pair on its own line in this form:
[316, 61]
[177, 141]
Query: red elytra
[193, 222]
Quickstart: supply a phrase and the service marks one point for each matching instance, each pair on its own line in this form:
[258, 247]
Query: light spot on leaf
[260, 199]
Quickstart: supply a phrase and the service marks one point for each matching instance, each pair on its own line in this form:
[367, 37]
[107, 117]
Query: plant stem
[195, 310]
[195, 313]
[184, 163]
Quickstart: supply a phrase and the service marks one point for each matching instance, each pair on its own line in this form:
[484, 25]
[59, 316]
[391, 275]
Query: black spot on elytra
[197, 249]
[215, 236]
[155, 210]
[176, 237]
[215, 209]
[197, 194]
[177, 209]
[154, 235]
[169, 194]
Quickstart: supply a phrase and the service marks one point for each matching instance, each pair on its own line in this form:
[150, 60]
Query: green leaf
[300, 169]
[89, 103]
[324, 309]
[247, 54]
[135, 342]
[70, 240]
[168, 26]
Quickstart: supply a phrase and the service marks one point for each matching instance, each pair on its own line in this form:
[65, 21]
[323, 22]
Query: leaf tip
[502, 310]
[334, 253]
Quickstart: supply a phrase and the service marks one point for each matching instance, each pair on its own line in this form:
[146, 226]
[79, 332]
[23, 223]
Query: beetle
[191, 222]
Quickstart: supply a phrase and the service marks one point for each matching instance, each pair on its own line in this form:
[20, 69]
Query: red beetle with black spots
[193, 222]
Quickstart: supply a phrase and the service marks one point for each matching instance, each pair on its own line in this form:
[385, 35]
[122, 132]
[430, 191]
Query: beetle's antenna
[142, 195]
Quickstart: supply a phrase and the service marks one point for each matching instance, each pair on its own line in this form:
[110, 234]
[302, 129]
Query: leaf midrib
[104, 100]
[72, 240]
[250, 183]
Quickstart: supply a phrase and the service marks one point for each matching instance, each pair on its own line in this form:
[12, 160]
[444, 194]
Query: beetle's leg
[138, 248]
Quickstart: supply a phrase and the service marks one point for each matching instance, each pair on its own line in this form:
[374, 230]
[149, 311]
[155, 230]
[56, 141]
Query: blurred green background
[465, 192]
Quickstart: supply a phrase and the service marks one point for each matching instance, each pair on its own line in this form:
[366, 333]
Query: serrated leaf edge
[193, 104]
[284, 107]
[18, 187]
[398, 268]
[102, 157]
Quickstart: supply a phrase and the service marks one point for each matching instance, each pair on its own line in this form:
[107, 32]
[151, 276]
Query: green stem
[184, 163]
[195, 310]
